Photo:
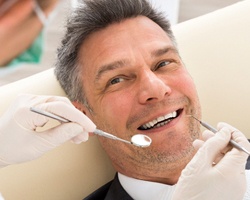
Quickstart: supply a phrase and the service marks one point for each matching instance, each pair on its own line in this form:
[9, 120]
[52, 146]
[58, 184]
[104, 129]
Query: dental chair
[216, 50]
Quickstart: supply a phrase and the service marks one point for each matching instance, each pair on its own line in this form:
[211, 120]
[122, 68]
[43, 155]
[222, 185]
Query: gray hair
[88, 17]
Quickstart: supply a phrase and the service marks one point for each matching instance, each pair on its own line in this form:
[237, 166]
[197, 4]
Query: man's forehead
[118, 39]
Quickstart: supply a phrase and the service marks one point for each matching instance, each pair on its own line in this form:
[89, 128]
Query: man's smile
[160, 121]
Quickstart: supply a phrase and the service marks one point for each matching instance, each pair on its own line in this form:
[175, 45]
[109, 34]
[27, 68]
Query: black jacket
[112, 190]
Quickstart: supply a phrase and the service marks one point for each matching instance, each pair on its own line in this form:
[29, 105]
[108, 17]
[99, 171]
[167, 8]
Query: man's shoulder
[100, 193]
[112, 190]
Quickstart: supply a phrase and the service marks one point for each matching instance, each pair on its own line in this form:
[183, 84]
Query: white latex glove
[19, 142]
[217, 171]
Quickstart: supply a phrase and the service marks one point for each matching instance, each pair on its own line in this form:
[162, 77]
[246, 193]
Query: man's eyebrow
[120, 63]
[108, 67]
[162, 51]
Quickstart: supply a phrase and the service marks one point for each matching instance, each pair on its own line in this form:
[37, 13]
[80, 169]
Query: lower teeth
[161, 124]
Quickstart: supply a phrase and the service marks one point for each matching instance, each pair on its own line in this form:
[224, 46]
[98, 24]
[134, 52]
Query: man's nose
[152, 88]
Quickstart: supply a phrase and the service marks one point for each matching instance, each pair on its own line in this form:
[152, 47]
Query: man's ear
[81, 107]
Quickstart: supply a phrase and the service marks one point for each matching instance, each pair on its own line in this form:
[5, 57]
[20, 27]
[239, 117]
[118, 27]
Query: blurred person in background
[21, 30]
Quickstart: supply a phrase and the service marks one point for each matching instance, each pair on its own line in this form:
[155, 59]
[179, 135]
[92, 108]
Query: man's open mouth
[160, 121]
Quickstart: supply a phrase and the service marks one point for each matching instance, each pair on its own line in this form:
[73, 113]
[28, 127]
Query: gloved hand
[217, 171]
[19, 140]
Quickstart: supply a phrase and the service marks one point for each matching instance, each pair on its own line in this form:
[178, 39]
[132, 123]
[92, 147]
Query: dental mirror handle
[108, 135]
[61, 119]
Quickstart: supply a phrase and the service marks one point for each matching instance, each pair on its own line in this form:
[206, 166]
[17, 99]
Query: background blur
[176, 10]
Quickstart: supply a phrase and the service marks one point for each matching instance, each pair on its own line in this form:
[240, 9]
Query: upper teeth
[159, 119]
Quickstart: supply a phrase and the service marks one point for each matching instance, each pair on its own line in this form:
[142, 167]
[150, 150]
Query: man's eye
[162, 64]
[116, 80]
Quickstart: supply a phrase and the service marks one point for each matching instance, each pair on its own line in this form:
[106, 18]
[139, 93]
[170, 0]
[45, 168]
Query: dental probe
[139, 140]
[214, 130]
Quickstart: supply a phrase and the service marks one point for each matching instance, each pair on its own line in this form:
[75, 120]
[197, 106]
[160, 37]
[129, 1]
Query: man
[119, 65]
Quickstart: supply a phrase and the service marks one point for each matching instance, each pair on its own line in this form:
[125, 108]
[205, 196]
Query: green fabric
[31, 55]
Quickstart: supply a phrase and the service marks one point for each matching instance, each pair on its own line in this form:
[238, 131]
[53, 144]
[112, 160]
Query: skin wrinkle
[109, 67]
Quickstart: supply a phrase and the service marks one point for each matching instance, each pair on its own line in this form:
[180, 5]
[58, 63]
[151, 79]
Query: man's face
[135, 82]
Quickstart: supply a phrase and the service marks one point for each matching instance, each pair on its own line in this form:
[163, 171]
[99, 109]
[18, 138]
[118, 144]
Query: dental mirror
[141, 140]
[138, 140]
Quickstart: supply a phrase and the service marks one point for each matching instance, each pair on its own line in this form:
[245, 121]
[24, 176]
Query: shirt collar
[145, 190]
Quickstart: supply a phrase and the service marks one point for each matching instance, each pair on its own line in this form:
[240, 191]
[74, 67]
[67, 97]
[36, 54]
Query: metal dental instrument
[214, 130]
[138, 140]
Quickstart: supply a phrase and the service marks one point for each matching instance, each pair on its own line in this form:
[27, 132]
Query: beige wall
[216, 50]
